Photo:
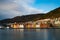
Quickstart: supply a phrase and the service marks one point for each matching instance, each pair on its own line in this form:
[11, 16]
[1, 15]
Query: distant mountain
[6, 21]
[33, 17]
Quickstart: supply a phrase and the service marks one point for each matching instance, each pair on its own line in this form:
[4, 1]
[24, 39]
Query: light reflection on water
[29, 34]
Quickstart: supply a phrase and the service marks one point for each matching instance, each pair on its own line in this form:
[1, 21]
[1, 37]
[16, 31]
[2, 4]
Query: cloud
[11, 8]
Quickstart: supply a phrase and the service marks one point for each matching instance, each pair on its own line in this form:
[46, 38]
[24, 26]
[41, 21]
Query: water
[29, 34]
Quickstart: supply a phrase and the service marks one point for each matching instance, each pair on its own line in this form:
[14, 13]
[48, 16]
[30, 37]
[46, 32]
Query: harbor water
[29, 34]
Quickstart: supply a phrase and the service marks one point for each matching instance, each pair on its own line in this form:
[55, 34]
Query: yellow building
[42, 23]
[35, 24]
[17, 25]
[29, 25]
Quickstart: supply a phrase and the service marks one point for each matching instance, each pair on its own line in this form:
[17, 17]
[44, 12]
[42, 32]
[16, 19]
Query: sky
[12, 8]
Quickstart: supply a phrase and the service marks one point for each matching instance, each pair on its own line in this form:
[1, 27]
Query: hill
[33, 17]
[25, 18]
[54, 13]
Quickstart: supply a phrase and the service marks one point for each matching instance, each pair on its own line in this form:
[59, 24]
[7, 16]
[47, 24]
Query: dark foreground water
[29, 34]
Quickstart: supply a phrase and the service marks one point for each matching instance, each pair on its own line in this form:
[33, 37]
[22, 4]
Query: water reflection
[37, 30]
[29, 34]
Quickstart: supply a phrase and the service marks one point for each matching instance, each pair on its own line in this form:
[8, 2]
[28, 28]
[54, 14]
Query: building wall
[35, 24]
[17, 25]
[21, 26]
[44, 25]
[29, 25]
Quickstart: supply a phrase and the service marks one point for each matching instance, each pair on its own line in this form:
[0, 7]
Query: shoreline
[29, 28]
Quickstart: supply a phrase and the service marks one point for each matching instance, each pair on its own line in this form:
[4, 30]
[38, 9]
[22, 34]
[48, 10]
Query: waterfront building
[37, 24]
[44, 23]
[21, 26]
[29, 24]
[1, 26]
[57, 22]
[16, 25]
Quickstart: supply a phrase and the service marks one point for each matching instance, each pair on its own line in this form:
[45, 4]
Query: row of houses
[44, 23]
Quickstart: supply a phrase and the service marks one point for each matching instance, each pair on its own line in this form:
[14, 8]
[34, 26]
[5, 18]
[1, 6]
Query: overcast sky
[12, 8]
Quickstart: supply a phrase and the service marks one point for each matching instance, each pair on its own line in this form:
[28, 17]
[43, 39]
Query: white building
[21, 26]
